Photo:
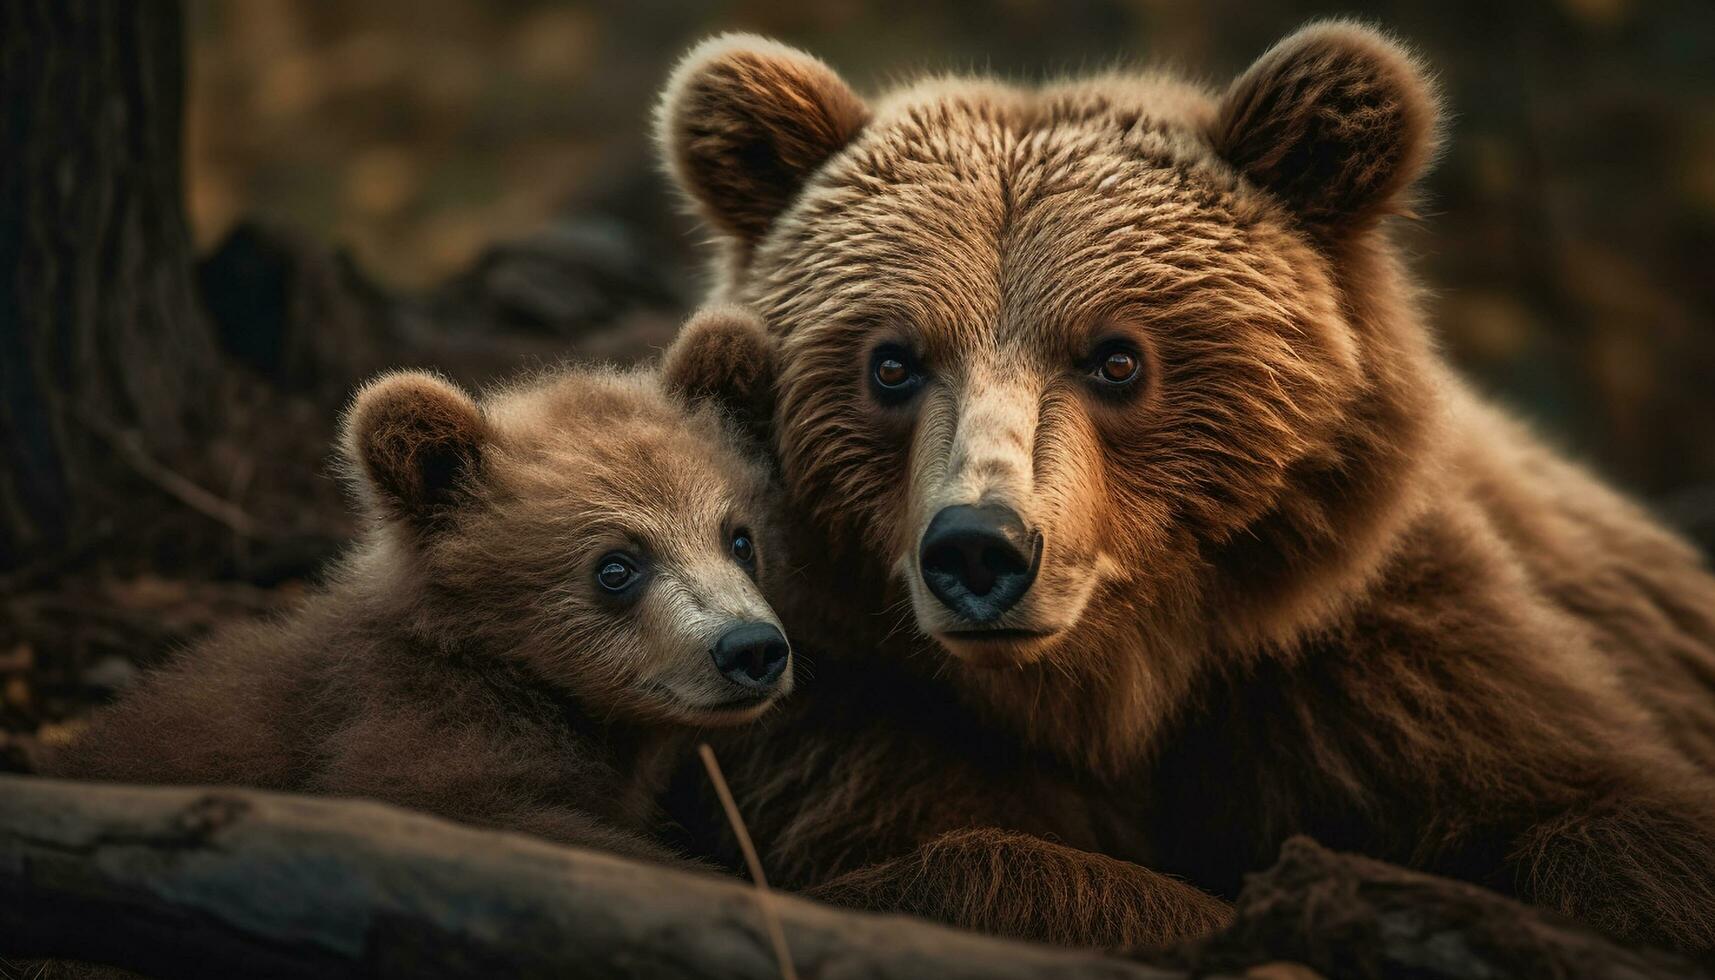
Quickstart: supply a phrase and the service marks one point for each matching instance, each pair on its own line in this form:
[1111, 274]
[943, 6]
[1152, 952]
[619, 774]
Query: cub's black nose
[979, 561]
[752, 655]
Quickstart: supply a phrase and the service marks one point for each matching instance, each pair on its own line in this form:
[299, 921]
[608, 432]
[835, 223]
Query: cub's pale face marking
[600, 534]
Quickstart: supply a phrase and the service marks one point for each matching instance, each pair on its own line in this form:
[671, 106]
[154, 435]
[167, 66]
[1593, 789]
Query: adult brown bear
[1118, 391]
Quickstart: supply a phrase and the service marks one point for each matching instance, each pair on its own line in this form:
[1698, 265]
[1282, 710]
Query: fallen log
[200, 882]
[1356, 918]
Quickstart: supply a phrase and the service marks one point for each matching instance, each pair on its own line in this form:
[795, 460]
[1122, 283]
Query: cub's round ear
[1336, 119]
[417, 441]
[722, 357]
[744, 121]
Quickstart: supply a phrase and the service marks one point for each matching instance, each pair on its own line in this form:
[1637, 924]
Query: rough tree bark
[99, 324]
[1349, 916]
[226, 882]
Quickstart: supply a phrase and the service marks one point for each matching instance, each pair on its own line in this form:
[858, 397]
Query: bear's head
[1113, 358]
[591, 528]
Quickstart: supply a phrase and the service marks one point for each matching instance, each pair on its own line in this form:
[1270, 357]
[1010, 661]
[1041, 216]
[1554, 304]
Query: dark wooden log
[1347, 916]
[219, 883]
[199, 882]
[98, 313]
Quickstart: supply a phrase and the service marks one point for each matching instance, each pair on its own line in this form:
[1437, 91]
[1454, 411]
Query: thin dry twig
[37, 970]
[242, 470]
[764, 898]
[204, 502]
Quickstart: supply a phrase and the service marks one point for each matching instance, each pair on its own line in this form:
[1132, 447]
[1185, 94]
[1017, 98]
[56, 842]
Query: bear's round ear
[417, 442]
[1336, 119]
[722, 357]
[744, 121]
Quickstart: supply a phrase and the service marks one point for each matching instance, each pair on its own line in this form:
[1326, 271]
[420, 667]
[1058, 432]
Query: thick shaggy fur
[1296, 579]
[462, 659]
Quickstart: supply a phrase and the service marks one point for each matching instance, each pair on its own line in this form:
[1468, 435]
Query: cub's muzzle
[752, 655]
[979, 561]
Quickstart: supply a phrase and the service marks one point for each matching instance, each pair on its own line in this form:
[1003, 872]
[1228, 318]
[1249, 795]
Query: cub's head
[1083, 356]
[609, 537]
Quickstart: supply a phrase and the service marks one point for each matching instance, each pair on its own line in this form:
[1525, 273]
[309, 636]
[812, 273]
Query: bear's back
[234, 709]
[1644, 595]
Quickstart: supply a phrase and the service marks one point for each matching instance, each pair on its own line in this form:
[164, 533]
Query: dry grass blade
[205, 502]
[764, 898]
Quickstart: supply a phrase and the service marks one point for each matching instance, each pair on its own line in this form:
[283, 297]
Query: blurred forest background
[469, 184]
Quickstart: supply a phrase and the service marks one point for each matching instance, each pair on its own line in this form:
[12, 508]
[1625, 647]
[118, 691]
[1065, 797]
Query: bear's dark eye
[616, 572]
[1119, 367]
[894, 374]
[743, 549]
[1116, 364]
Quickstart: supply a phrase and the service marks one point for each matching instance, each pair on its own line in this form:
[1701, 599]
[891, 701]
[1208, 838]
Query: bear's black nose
[979, 561]
[752, 655]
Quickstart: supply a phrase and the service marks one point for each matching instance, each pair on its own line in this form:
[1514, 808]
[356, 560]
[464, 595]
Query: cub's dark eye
[743, 549]
[894, 374]
[616, 573]
[1116, 365]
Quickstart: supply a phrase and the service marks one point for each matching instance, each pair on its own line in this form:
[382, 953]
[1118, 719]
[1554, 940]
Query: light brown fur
[1299, 579]
[462, 658]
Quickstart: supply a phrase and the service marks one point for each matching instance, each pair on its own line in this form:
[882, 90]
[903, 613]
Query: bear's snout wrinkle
[978, 560]
[752, 655]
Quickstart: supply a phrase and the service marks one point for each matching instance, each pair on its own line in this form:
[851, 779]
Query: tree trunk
[100, 331]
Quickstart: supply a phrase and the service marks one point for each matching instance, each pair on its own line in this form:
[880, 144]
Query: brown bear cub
[555, 586]
[1119, 391]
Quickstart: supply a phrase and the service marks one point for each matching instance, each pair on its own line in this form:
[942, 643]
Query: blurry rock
[578, 276]
[291, 311]
[110, 674]
[1349, 917]
[313, 323]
